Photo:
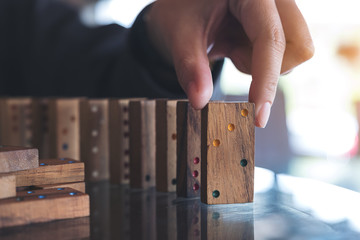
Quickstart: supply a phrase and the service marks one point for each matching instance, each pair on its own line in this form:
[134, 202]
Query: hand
[261, 37]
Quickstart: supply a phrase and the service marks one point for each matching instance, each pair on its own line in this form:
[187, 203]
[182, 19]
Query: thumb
[193, 71]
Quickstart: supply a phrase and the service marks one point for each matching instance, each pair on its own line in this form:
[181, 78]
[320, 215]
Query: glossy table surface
[284, 207]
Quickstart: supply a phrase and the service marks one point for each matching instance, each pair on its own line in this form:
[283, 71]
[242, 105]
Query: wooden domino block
[188, 150]
[119, 141]
[142, 143]
[79, 186]
[7, 186]
[166, 145]
[43, 206]
[95, 138]
[51, 171]
[65, 124]
[18, 158]
[18, 121]
[227, 153]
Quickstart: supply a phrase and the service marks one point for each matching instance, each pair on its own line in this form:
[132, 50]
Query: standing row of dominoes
[146, 143]
[34, 190]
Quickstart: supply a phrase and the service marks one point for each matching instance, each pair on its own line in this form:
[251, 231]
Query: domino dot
[60, 189]
[19, 199]
[95, 174]
[216, 142]
[94, 108]
[73, 193]
[71, 161]
[196, 160]
[30, 192]
[95, 150]
[231, 127]
[94, 133]
[126, 176]
[64, 131]
[126, 152]
[195, 220]
[62, 159]
[196, 187]
[72, 118]
[195, 174]
[243, 162]
[173, 181]
[65, 146]
[125, 109]
[126, 165]
[215, 193]
[126, 122]
[173, 136]
[42, 196]
[244, 112]
[42, 164]
[126, 135]
[147, 178]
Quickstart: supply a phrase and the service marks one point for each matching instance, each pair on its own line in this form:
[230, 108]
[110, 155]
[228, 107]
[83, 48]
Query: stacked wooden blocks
[44, 188]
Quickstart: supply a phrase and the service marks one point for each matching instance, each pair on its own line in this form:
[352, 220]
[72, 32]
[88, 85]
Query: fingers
[263, 27]
[299, 46]
[192, 67]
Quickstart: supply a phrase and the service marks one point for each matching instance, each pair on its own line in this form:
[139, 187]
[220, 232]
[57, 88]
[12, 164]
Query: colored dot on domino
[42, 196]
[195, 174]
[72, 193]
[196, 160]
[42, 164]
[65, 146]
[216, 194]
[243, 162]
[60, 189]
[196, 187]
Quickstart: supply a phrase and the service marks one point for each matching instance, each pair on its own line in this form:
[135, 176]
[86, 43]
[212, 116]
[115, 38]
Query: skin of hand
[263, 38]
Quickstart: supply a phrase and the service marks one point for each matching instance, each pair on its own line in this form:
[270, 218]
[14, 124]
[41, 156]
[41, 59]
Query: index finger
[262, 24]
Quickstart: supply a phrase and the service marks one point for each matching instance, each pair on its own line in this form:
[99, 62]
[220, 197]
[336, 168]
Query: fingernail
[263, 115]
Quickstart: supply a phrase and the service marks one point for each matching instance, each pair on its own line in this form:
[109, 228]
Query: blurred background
[314, 127]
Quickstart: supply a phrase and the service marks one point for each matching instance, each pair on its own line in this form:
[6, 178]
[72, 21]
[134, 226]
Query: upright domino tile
[47, 139]
[166, 145]
[43, 206]
[79, 186]
[7, 186]
[51, 171]
[95, 138]
[142, 143]
[227, 152]
[65, 125]
[19, 117]
[119, 141]
[17, 158]
[189, 150]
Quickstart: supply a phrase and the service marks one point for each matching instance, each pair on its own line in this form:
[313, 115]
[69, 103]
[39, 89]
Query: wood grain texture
[51, 171]
[18, 125]
[66, 125]
[18, 158]
[119, 141]
[95, 139]
[79, 186]
[227, 142]
[188, 150]
[68, 229]
[7, 186]
[43, 206]
[166, 145]
[142, 143]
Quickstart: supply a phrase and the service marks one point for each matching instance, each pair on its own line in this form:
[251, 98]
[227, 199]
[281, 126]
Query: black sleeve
[45, 50]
